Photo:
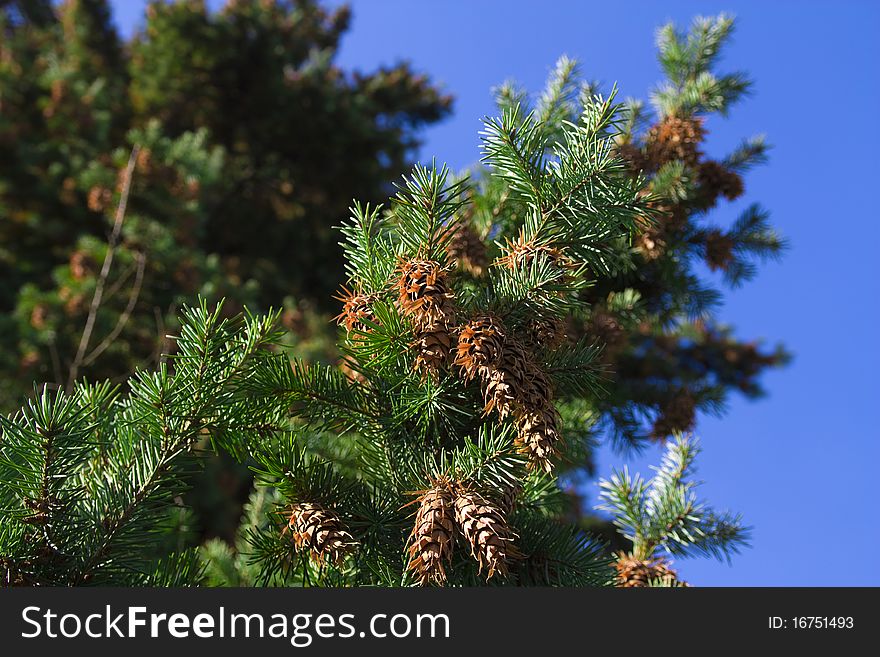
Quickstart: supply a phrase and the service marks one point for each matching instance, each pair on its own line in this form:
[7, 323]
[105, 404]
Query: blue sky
[800, 464]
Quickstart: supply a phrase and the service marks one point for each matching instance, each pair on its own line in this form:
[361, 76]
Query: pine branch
[666, 514]
[558, 102]
[515, 147]
[423, 207]
[750, 153]
[368, 250]
[573, 370]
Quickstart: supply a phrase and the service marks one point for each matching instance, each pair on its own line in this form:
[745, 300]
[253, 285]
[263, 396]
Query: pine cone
[99, 198]
[650, 240]
[355, 309]
[512, 382]
[673, 217]
[653, 235]
[499, 390]
[651, 244]
[433, 348]
[523, 254]
[674, 139]
[485, 528]
[677, 414]
[39, 315]
[480, 345]
[144, 160]
[321, 532]
[81, 265]
[717, 180]
[14, 573]
[433, 534]
[466, 249]
[607, 329]
[538, 436]
[507, 497]
[635, 573]
[512, 385]
[719, 250]
[547, 333]
[423, 294]
[538, 391]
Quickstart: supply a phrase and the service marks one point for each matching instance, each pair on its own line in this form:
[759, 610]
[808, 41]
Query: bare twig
[111, 290]
[113, 242]
[124, 317]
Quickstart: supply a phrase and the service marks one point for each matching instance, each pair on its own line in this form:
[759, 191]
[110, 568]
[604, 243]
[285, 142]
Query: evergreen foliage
[443, 449]
[664, 514]
[90, 479]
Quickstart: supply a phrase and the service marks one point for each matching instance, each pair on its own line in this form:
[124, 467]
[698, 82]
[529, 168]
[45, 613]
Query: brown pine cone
[466, 250]
[677, 414]
[480, 345]
[99, 198]
[674, 139]
[523, 254]
[513, 382]
[424, 295]
[356, 308]
[484, 526]
[605, 326]
[719, 250]
[433, 348]
[319, 531]
[716, 180]
[433, 534]
[547, 333]
[633, 157]
[538, 436]
[507, 497]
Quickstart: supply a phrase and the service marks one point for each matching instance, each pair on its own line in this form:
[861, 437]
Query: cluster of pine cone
[447, 510]
[674, 139]
[678, 139]
[513, 385]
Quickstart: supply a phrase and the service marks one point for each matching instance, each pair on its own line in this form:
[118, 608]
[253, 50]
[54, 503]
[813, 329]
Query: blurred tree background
[250, 142]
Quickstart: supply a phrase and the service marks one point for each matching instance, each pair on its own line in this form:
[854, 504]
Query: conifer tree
[441, 450]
